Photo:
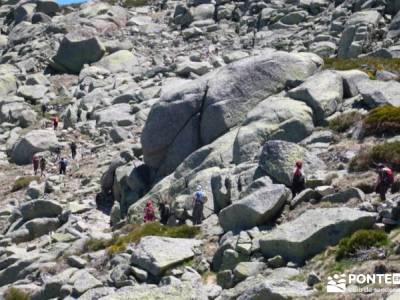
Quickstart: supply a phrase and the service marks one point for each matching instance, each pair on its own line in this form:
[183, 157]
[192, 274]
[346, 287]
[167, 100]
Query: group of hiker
[384, 181]
[198, 201]
[40, 161]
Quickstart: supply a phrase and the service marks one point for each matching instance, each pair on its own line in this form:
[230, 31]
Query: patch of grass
[361, 239]
[383, 120]
[155, 228]
[61, 101]
[135, 3]
[15, 294]
[344, 121]
[368, 65]
[23, 182]
[133, 234]
[93, 245]
[387, 153]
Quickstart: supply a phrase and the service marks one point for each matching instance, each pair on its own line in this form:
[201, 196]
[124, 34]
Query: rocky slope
[161, 97]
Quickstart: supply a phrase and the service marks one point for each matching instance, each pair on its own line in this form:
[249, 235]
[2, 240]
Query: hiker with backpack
[385, 181]
[199, 198]
[298, 179]
[43, 164]
[73, 148]
[35, 162]
[149, 214]
[63, 166]
[165, 212]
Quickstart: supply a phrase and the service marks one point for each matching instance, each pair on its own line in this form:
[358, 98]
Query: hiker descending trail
[73, 148]
[63, 163]
[384, 181]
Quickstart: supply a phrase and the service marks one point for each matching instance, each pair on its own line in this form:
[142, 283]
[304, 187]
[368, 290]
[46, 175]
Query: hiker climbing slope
[73, 148]
[199, 198]
[63, 166]
[149, 214]
[298, 179]
[384, 181]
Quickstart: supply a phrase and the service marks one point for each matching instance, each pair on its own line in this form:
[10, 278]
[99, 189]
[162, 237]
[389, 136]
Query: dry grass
[133, 234]
[368, 65]
[23, 182]
[387, 153]
[384, 120]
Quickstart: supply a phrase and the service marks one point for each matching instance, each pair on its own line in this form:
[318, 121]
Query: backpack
[298, 176]
[387, 176]
[200, 197]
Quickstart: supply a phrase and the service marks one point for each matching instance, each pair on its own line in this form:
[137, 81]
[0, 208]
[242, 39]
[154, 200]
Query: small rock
[76, 262]
[276, 262]
[313, 279]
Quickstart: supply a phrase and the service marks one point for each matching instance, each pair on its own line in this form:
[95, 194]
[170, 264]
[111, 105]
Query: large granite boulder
[259, 207]
[157, 254]
[8, 84]
[40, 209]
[120, 61]
[31, 143]
[375, 92]
[278, 159]
[120, 114]
[189, 116]
[324, 98]
[275, 118]
[313, 231]
[77, 48]
[259, 287]
[358, 30]
[16, 110]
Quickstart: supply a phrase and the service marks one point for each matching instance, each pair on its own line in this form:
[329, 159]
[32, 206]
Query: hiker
[35, 161]
[199, 198]
[43, 109]
[165, 212]
[63, 166]
[42, 166]
[149, 215]
[57, 151]
[298, 180]
[73, 149]
[384, 182]
[55, 122]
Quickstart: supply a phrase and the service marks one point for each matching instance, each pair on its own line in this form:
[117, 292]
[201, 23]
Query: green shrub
[367, 64]
[15, 294]
[133, 233]
[387, 153]
[383, 120]
[135, 3]
[23, 182]
[118, 244]
[96, 245]
[361, 240]
[344, 121]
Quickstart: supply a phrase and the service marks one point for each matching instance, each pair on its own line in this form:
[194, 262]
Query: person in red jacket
[298, 179]
[384, 182]
[55, 122]
[149, 214]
